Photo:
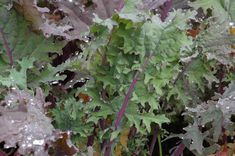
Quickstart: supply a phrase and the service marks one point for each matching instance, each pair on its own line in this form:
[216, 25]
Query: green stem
[159, 145]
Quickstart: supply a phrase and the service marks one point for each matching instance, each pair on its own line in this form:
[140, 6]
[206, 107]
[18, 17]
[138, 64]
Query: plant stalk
[9, 52]
[159, 144]
[166, 9]
[153, 142]
[179, 150]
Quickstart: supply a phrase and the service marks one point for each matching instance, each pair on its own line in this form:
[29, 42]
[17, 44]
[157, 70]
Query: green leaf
[232, 10]
[18, 77]
[218, 10]
[195, 136]
[147, 119]
[215, 116]
[199, 72]
[22, 41]
[142, 95]
[49, 74]
[180, 93]
[70, 115]
[115, 134]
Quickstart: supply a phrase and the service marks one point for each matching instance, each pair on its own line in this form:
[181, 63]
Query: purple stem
[121, 5]
[130, 90]
[9, 52]
[125, 103]
[108, 148]
[166, 8]
[2, 153]
[179, 150]
[153, 142]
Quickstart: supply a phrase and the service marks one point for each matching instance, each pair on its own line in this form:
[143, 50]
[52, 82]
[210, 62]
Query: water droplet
[13, 88]
[57, 74]
[69, 132]
[85, 89]
[47, 35]
[55, 82]
[227, 107]
[70, 86]
[70, 0]
[71, 80]
[7, 146]
[29, 138]
[38, 142]
[231, 24]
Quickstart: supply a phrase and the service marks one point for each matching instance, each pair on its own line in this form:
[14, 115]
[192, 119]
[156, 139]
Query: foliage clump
[122, 72]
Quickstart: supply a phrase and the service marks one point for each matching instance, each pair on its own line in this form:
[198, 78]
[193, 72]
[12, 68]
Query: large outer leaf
[81, 16]
[131, 42]
[227, 104]
[221, 9]
[216, 42]
[195, 136]
[22, 41]
[78, 16]
[23, 123]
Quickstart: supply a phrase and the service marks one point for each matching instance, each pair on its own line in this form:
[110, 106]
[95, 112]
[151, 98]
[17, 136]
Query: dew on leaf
[38, 142]
[29, 138]
[55, 82]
